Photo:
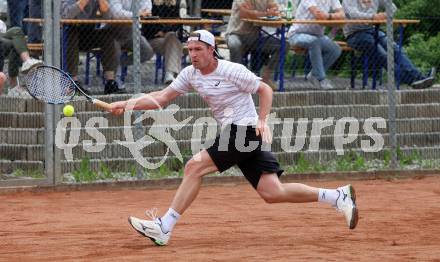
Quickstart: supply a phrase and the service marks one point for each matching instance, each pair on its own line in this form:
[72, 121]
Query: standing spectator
[17, 10]
[13, 45]
[87, 37]
[362, 38]
[323, 51]
[164, 38]
[122, 9]
[242, 37]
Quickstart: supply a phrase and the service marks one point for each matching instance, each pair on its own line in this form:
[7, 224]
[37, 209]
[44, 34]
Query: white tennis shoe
[313, 80]
[18, 92]
[346, 204]
[151, 229]
[29, 64]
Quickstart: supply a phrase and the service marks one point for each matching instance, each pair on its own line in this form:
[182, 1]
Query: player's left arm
[265, 97]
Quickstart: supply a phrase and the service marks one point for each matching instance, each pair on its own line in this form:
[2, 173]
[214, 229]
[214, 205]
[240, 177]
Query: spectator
[17, 10]
[323, 51]
[86, 37]
[121, 9]
[13, 45]
[242, 37]
[34, 29]
[164, 38]
[362, 38]
[3, 77]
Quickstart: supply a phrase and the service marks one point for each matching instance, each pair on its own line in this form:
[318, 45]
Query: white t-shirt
[227, 91]
[303, 12]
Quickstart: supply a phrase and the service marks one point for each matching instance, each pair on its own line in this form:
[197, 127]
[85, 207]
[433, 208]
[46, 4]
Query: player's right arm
[148, 101]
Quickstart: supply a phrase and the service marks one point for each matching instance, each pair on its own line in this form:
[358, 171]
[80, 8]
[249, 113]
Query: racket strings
[50, 85]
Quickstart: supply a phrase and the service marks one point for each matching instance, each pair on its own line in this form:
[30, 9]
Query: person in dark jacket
[86, 37]
[164, 38]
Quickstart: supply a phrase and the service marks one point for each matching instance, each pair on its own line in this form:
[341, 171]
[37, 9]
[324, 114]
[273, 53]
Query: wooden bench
[220, 40]
[342, 44]
[35, 47]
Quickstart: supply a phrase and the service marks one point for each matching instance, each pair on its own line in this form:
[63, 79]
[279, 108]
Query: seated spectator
[13, 45]
[121, 9]
[362, 38]
[17, 11]
[242, 37]
[164, 38]
[35, 29]
[323, 51]
[86, 37]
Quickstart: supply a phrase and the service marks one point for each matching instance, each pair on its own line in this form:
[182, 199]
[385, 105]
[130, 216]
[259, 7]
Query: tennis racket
[54, 86]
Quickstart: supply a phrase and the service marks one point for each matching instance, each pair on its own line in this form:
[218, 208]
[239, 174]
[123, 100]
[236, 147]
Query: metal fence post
[391, 85]
[136, 26]
[49, 109]
[56, 56]
[138, 129]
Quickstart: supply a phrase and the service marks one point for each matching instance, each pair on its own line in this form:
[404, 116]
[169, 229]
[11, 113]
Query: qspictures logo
[295, 135]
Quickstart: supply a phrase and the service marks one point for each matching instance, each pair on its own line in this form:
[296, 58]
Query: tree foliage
[424, 51]
[428, 11]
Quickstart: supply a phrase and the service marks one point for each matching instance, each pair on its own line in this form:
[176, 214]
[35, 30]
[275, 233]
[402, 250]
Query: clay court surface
[399, 221]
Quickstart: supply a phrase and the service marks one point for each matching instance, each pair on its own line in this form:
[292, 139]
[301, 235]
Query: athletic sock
[169, 220]
[328, 196]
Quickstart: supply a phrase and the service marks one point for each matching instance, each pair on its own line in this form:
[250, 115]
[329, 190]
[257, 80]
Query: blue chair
[366, 65]
[96, 54]
[160, 65]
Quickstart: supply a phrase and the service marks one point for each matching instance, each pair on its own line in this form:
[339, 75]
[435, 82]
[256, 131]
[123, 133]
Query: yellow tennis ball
[68, 110]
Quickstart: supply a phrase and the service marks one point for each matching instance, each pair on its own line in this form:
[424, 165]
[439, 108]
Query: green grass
[20, 173]
[351, 161]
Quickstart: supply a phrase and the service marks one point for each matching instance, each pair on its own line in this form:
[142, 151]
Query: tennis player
[227, 87]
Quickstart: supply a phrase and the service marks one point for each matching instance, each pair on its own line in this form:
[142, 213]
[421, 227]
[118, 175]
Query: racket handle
[102, 104]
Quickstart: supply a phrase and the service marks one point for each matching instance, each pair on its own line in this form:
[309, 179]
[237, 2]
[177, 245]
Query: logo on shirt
[217, 83]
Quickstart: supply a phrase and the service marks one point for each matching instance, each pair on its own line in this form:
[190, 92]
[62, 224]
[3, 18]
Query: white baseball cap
[205, 37]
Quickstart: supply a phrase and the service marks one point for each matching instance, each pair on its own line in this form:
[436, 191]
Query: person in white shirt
[323, 51]
[242, 37]
[122, 9]
[227, 88]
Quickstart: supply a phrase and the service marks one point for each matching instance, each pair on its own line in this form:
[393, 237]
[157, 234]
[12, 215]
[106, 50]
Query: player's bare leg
[272, 190]
[343, 198]
[159, 229]
[200, 165]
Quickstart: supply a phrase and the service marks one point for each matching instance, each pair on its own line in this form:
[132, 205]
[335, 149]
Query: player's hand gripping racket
[54, 86]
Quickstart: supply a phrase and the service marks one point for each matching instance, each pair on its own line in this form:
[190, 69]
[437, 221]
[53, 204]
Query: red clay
[399, 221]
